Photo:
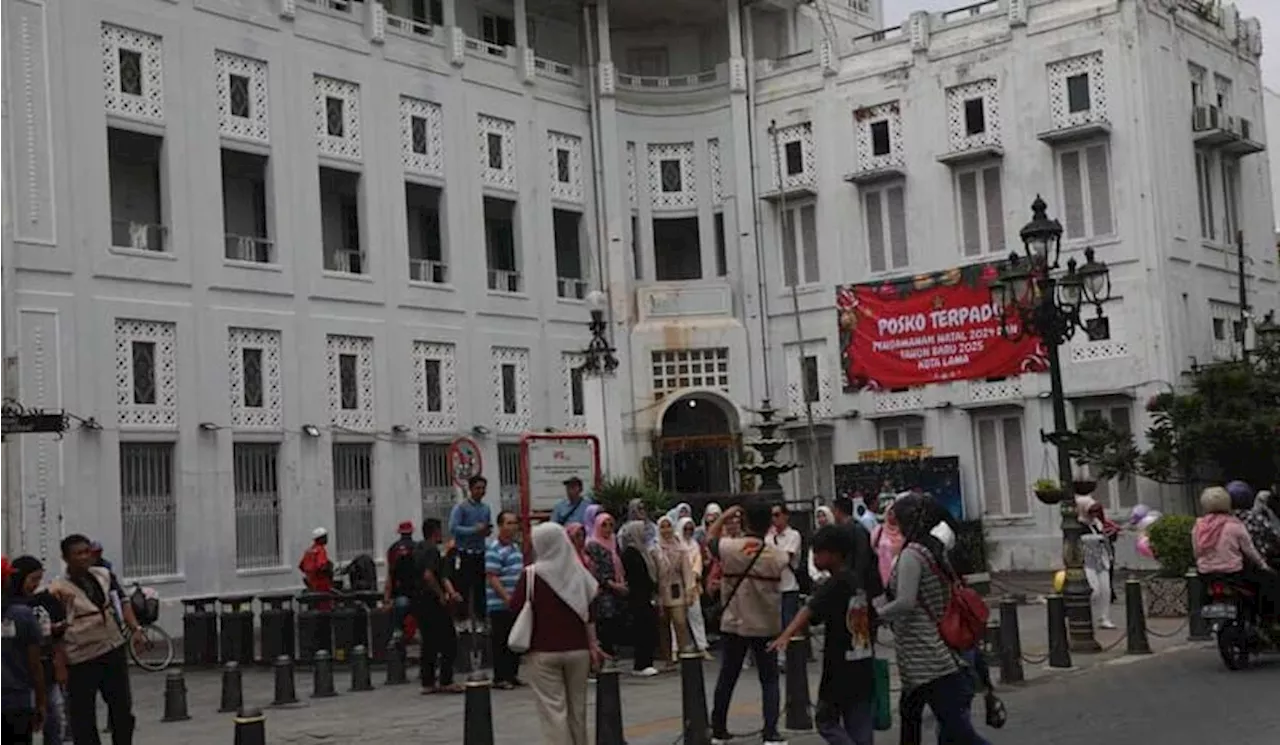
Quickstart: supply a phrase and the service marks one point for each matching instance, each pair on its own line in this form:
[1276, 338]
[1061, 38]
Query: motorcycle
[1241, 632]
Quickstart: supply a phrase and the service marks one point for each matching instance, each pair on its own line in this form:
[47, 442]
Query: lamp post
[599, 357]
[1267, 331]
[1035, 297]
[599, 363]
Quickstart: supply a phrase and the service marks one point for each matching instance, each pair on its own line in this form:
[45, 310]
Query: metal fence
[257, 486]
[509, 475]
[353, 499]
[437, 482]
[148, 509]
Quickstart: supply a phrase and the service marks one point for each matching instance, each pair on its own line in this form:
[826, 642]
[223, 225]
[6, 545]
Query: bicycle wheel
[155, 653]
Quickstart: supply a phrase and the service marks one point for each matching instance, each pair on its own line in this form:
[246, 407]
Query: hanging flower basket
[1084, 487]
[1048, 491]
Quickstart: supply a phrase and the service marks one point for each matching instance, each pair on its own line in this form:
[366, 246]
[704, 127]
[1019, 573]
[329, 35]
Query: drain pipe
[597, 153]
[747, 30]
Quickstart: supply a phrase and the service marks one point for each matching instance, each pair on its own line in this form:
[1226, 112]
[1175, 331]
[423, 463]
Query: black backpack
[362, 573]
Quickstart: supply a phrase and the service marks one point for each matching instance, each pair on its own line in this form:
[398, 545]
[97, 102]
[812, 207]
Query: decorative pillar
[457, 39]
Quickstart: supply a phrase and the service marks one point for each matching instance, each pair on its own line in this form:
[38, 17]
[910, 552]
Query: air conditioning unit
[1206, 118]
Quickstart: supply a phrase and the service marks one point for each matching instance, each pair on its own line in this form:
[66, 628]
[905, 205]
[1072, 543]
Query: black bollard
[477, 727]
[396, 661]
[1059, 647]
[1010, 643]
[285, 693]
[175, 697]
[360, 680]
[1135, 621]
[322, 683]
[232, 688]
[251, 727]
[797, 713]
[1197, 626]
[608, 705]
[693, 700]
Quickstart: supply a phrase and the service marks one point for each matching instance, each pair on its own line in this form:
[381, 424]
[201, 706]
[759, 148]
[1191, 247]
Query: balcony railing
[427, 270]
[504, 280]
[484, 47]
[410, 26]
[140, 236]
[970, 11]
[249, 248]
[552, 69]
[666, 82]
[340, 6]
[572, 288]
[346, 260]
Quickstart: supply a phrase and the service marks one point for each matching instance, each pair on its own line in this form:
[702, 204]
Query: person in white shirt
[786, 539]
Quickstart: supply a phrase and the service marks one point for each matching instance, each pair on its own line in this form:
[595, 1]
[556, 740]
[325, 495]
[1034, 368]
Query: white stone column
[522, 25]
[604, 420]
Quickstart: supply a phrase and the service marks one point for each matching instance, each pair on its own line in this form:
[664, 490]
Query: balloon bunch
[1142, 518]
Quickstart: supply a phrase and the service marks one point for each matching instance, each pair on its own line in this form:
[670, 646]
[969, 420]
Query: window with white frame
[436, 481]
[255, 473]
[1085, 177]
[1204, 194]
[1228, 329]
[1120, 492]
[1002, 467]
[353, 499]
[148, 509]
[799, 227]
[980, 202]
[509, 475]
[675, 369]
[900, 434]
[885, 209]
[1230, 198]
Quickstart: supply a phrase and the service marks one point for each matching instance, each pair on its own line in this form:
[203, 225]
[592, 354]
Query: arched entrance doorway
[698, 445]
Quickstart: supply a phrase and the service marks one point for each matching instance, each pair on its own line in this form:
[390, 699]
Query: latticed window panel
[890, 401]
[255, 472]
[351, 402]
[353, 499]
[631, 174]
[436, 482]
[132, 72]
[797, 168]
[253, 367]
[986, 391]
[871, 154]
[973, 115]
[146, 373]
[573, 393]
[717, 171]
[565, 155]
[337, 113]
[512, 411]
[677, 369]
[243, 109]
[421, 136]
[496, 156]
[148, 510]
[808, 380]
[435, 386]
[672, 181]
[1073, 101]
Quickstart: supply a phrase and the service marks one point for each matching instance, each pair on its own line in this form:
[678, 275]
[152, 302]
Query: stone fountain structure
[768, 468]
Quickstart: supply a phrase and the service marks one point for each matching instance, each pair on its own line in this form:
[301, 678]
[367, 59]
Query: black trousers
[19, 726]
[108, 675]
[506, 664]
[471, 584]
[610, 632]
[644, 633]
[439, 644]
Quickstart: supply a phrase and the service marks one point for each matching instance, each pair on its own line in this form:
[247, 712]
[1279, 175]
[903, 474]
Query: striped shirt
[506, 561]
[922, 656]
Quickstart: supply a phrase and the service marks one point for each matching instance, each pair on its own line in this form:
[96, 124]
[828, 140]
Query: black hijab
[21, 568]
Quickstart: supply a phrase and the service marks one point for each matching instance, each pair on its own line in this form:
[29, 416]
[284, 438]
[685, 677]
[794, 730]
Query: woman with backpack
[931, 630]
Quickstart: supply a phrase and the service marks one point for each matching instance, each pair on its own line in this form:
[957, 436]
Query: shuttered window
[981, 205]
[1086, 191]
[1002, 468]
[800, 244]
[1120, 492]
[886, 216]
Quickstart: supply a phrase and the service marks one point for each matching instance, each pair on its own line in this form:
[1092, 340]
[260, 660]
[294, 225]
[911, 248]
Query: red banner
[931, 328]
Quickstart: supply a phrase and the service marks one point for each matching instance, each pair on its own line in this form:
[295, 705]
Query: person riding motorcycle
[1223, 547]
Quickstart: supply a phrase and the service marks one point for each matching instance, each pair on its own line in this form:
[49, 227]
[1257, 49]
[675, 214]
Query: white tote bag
[521, 635]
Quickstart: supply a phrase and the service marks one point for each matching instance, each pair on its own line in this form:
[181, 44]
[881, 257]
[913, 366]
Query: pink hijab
[573, 530]
[610, 544]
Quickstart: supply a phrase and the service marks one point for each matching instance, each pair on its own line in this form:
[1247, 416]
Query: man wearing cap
[573, 508]
[402, 578]
[317, 569]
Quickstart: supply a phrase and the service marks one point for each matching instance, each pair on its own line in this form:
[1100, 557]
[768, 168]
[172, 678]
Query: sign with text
[931, 328]
[547, 461]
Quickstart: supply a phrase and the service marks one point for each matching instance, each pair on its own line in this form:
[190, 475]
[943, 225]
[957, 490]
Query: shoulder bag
[521, 635]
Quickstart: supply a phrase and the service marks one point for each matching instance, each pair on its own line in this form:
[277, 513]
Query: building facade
[275, 255]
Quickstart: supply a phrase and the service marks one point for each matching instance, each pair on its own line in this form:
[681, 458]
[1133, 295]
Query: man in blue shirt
[503, 563]
[469, 525]
[24, 684]
[573, 508]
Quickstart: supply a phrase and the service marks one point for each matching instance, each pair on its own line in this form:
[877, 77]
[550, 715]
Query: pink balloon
[1144, 547]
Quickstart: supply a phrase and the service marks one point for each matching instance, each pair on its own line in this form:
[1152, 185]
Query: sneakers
[648, 672]
[773, 738]
[1106, 625]
[721, 738]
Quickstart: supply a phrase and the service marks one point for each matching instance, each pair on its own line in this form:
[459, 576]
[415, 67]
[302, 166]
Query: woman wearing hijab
[709, 515]
[680, 510]
[641, 569]
[578, 537]
[26, 575]
[589, 518]
[675, 586]
[822, 517]
[637, 511]
[697, 623]
[563, 645]
[605, 564]
[887, 541]
[1098, 557]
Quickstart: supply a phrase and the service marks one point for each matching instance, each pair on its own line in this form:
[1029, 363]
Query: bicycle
[154, 653]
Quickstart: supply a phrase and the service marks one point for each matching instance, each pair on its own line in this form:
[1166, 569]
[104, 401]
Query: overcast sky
[1266, 11]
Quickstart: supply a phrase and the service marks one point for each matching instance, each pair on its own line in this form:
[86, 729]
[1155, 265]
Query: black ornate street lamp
[599, 357]
[1034, 297]
[1267, 331]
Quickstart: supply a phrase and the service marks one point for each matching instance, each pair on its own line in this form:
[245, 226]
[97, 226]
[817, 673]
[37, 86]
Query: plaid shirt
[1265, 539]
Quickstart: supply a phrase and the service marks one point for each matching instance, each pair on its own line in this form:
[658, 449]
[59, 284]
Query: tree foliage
[1224, 425]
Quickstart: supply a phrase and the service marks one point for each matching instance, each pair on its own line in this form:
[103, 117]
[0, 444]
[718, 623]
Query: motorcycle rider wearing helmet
[1223, 547]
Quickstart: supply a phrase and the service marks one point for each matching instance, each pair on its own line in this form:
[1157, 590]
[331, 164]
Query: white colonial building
[274, 255]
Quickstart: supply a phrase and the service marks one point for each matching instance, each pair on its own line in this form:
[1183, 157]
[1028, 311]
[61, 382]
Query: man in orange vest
[317, 569]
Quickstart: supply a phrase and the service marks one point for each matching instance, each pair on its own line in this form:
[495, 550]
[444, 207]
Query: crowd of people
[64, 645]
[1239, 536]
[596, 584]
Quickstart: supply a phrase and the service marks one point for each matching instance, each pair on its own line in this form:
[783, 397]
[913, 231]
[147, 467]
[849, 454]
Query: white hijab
[556, 563]
[945, 535]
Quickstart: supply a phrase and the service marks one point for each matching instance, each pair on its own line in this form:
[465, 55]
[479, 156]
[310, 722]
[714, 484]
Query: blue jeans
[53, 719]
[949, 698]
[733, 653]
[401, 606]
[850, 723]
[790, 606]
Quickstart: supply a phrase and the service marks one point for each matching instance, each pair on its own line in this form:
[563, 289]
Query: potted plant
[1170, 538]
[1047, 491]
[1083, 486]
